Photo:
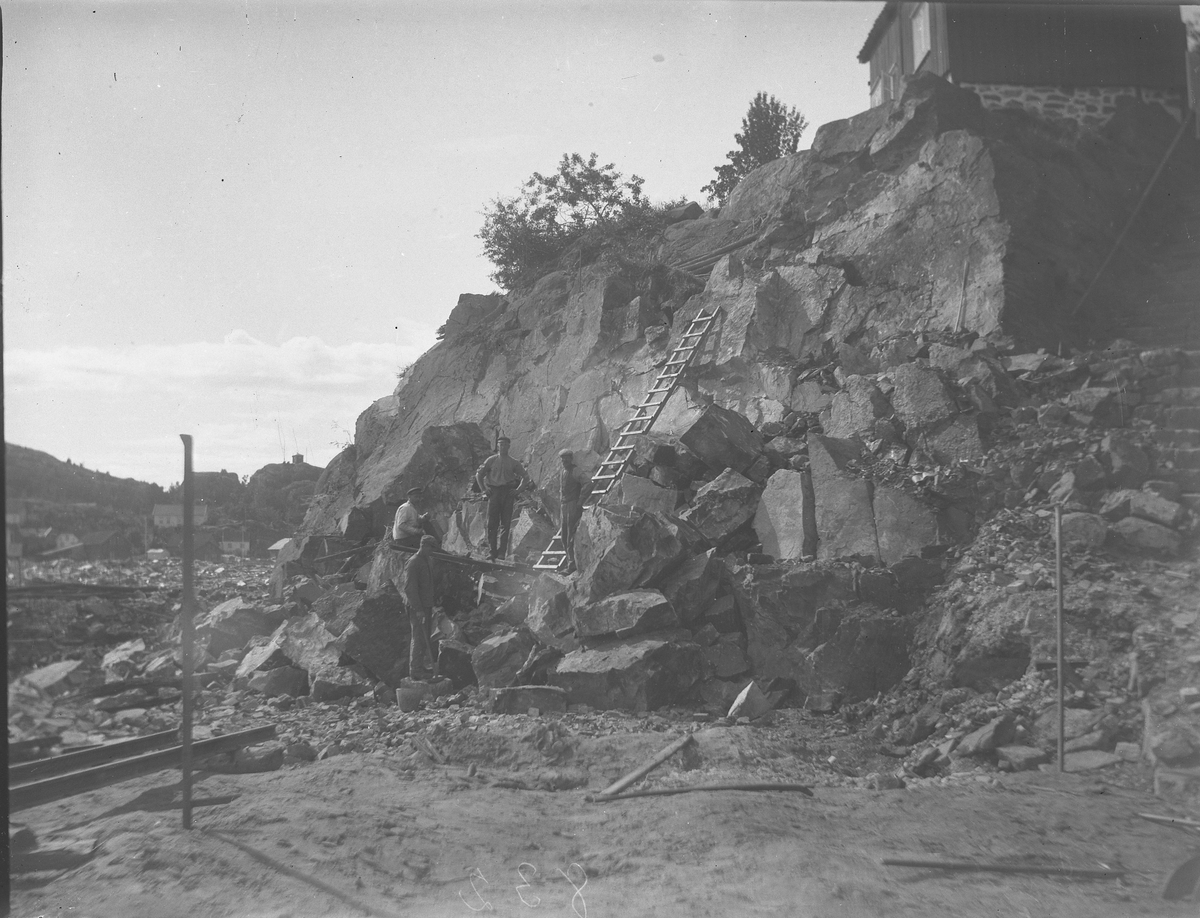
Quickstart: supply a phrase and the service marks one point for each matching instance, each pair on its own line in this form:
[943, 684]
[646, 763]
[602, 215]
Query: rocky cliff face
[832, 447]
[926, 214]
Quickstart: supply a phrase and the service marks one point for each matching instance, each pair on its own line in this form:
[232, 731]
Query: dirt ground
[504, 827]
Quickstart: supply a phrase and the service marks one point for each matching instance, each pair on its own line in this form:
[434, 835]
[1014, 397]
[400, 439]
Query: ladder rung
[605, 477]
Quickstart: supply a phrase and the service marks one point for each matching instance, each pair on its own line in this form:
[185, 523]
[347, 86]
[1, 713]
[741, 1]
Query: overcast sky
[239, 220]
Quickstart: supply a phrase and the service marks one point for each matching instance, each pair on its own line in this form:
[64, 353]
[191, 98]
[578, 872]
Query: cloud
[246, 402]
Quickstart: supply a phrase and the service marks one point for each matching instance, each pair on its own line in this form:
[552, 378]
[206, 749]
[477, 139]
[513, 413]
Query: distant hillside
[32, 474]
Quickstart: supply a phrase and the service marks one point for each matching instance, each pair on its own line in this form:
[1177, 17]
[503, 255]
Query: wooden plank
[36, 793]
[621, 783]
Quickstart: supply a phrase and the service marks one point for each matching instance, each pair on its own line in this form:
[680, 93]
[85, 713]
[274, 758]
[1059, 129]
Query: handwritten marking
[578, 890]
[487, 906]
[520, 872]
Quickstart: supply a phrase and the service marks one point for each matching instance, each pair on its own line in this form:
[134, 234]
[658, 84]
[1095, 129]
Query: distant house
[170, 516]
[234, 546]
[1067, 61]
[206, 545]
[108, 545]
[66, 540]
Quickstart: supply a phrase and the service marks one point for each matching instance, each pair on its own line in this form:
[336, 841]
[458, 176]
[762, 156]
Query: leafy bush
[770, 131]
[524, 235]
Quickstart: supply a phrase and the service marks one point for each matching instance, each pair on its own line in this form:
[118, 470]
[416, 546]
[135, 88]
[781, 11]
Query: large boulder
[844, 518]
[1084, 529]
[800, 625]
[625, 614]
[282, 680]
[531, 533]
[371, 630]
[1147, 536]
[723, 506]
[466, 529]
[785, 520]
[903, 525]
[441, 458]
[1143, 504]
[634, 491]
[636, 674]
[692, 587]
[856, 408]
[617, 551]
[498, 659]
[921, 398]
[229, 625]
[1127, 463]
[549, 619]
[723, 439]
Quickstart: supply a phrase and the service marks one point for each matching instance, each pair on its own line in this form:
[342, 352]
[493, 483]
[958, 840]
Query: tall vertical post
[1058, 585]
[187, 639]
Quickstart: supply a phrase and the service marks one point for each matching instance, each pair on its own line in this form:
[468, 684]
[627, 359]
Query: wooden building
[1070, 61]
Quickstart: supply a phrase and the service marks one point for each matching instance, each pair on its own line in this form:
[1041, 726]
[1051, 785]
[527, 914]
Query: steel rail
[37, 793]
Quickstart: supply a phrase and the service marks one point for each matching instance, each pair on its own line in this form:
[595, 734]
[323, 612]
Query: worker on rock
[500, 477]
[413, 521]
[573, 487]
[418, 593]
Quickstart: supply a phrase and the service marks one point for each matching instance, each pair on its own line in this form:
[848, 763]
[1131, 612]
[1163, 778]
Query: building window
[877, 92]
[920, 35]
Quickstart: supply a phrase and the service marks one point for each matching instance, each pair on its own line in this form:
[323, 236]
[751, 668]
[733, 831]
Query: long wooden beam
[36, 793]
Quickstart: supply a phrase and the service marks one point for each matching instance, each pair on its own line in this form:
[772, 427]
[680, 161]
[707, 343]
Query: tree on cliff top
[770, 131]
[523, 235]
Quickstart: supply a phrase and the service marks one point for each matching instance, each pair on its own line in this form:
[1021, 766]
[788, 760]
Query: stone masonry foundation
[1090, 106]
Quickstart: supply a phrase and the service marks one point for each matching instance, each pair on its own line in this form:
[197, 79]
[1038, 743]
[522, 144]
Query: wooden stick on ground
[668, 791]
[1081, 872]
[622, 783]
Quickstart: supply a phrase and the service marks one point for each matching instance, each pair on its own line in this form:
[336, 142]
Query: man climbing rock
[573, 486]
[500, 477]
[412, 522]
[418, 593]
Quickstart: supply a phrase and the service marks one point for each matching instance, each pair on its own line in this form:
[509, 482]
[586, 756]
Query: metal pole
[187, 637]
[1058, 579]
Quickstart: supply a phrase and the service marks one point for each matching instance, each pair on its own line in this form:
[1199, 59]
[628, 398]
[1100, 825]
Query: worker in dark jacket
[418, 598]
[573, 487]
[500, 478]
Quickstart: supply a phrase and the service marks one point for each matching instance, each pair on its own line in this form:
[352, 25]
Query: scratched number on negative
[527, 873]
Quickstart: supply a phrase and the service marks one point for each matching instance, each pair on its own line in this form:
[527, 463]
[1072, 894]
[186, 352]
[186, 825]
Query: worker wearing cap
[500, 477]
[573, 485]
[411, 522]
[418, 592]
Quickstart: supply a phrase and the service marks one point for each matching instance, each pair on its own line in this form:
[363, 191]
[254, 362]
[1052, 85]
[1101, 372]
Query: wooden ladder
[610, 470]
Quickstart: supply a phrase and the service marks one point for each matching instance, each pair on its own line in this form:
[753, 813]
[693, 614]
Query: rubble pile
[927, 631]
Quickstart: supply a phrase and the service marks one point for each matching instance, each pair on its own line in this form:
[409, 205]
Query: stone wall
[1090, 106]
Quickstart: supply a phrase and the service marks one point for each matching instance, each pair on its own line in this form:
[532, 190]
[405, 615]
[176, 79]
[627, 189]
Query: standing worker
[418, 598]
[573, 485]
[500, 477]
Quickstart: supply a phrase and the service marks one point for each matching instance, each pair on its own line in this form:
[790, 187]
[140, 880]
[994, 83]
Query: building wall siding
[1033, 45]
